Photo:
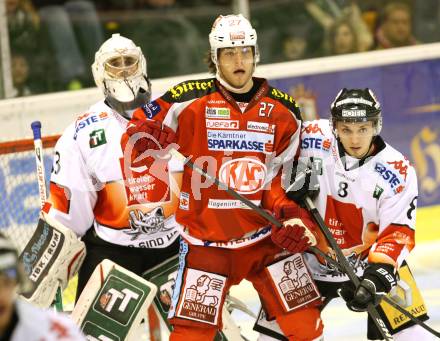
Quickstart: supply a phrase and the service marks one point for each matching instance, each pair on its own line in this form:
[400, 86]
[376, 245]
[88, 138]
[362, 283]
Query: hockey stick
[274, 221]
[179, 156]
[38, 148]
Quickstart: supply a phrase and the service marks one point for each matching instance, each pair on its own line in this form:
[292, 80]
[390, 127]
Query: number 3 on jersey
[265, 109]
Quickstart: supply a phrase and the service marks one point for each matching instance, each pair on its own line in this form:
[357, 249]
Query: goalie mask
[10, 266]
[356, 105]
[120, 71]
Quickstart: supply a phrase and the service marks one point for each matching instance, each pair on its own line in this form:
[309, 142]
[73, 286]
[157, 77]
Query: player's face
[236, 66]
[7, 292]
[356, 137]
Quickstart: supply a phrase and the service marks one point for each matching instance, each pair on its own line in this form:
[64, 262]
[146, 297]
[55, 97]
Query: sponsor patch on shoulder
[151, 109]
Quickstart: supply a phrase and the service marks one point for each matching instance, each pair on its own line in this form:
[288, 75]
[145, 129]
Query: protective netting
[19, 199]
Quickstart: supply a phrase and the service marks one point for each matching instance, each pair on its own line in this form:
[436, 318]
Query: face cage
[122, 67]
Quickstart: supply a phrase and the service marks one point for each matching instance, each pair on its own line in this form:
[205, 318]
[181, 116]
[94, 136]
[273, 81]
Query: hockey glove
[303, 181]
[152, 135]
[296, 234]
[377, 281]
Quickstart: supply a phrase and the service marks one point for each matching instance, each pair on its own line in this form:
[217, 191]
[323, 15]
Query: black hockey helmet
[356, 105]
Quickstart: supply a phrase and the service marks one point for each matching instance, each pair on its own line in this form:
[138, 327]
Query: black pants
[137, 260]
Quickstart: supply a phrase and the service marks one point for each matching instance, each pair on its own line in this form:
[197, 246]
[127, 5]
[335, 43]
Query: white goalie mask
[120, 71]
[232, 31]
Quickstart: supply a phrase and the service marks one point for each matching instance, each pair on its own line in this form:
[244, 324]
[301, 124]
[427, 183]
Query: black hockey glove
[303, 181]
[378, 279]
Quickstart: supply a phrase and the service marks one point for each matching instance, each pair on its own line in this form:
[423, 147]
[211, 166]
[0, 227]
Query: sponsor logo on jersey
[388, 175]
[225, 204]
[279, 94]
[243, 175]
[151, 109]
[222, 124]
[182, 88]
[353, 113]
[311, 142]
[377, 192]
[211, 112]
[224, 140]
[146, 223]
[312, 129]
[201, 296]
[86, 120]
[184, 201]
[293, 282]
[401, 167]
[97, 138]
[261, 127]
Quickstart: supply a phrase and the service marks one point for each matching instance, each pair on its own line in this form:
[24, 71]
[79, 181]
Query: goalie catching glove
[296, 235]
[377, 281]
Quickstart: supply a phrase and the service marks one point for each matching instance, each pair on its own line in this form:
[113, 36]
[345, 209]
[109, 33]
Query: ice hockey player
[368, 198]
[239, 129]
[20, 320]
[121, 212]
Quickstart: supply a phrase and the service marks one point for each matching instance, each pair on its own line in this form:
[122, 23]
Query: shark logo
[146, 222]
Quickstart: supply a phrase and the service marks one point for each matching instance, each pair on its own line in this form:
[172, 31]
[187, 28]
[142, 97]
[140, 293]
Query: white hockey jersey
[36, 324]
[92, 185]
[370, 207]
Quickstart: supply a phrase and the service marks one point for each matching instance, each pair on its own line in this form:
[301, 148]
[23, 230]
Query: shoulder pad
[188, 90]
[286, 100]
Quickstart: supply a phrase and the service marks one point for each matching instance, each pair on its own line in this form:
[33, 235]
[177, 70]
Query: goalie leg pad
[113, 303]
[52, 256]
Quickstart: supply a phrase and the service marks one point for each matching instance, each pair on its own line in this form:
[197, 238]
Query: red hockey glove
[152, 135]
[296, 234]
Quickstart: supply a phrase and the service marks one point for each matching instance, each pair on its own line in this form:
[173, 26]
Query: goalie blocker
[51, 258]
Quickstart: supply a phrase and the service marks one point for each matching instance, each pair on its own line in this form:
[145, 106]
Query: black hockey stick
[236, 195]
[277, 223]
[344, 265]
[309, 204]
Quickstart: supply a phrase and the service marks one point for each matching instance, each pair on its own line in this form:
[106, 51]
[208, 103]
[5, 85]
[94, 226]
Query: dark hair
[333, 32]
[212, 68]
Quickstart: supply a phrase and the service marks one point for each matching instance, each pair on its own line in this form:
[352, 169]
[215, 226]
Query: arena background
[406, 81]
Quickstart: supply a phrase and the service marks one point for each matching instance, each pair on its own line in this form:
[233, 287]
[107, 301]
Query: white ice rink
[344, 325]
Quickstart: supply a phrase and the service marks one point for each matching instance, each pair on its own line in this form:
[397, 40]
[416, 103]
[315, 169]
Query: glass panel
[291, 30]
[53, 42]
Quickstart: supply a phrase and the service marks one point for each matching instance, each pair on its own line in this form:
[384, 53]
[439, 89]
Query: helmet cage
[120, 71]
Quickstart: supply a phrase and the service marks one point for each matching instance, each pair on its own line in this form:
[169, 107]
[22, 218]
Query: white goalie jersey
[369, 207]
[94, 185]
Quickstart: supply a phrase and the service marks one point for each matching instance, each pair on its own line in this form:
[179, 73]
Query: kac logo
[244, 175]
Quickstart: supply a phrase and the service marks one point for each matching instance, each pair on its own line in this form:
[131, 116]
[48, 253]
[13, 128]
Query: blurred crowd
[52, 42]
